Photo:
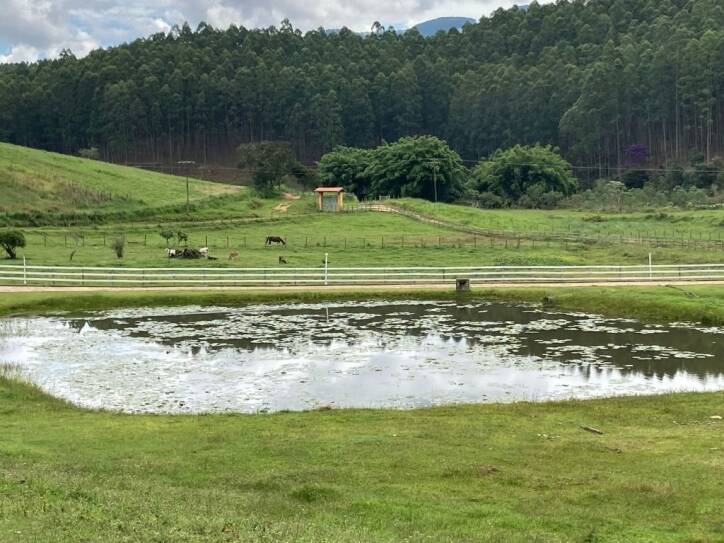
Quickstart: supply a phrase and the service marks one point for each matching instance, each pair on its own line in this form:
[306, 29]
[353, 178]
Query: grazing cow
[204, 251]
[233, 255]
[274, 239]
[170, 253]
[282, 260]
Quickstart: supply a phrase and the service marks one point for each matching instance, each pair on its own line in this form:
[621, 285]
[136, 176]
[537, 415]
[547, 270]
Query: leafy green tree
[345, 167]
[534, 176]
[419, 167]
[268, 162]
[11, 241]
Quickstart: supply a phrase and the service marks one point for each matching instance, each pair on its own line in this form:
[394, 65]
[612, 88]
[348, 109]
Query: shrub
[10, 241]
[182, 237]
[490, 200]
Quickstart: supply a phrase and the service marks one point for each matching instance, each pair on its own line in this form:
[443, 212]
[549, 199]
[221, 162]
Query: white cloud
[20, 53]
[42, 28]
[161, 25]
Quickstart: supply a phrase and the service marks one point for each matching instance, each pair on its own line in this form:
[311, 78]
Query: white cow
[204, 251]
[170, 253]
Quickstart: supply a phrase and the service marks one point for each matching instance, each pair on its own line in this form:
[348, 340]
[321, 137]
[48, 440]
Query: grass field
[33, 180]
[513, 473]
[658, 223]
[350, 239]
[40, 187]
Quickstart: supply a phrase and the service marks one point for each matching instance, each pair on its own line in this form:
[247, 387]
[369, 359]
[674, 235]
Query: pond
[398, 354]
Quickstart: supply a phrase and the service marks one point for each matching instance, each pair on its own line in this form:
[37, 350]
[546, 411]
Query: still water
[399, 354]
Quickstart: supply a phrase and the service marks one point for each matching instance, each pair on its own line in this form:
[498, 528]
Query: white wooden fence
[19, 274]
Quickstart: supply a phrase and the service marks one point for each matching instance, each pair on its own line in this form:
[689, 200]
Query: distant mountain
[433, 26]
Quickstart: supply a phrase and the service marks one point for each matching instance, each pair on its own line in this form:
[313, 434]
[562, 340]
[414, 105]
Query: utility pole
[187, 163]
[435, 163]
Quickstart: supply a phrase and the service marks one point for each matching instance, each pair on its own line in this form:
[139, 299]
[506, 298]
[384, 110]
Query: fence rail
[479, 275]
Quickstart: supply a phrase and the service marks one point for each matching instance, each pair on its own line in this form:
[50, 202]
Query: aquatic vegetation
[399, 354]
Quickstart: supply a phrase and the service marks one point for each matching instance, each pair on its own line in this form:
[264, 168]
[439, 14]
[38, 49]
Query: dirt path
[357, 288]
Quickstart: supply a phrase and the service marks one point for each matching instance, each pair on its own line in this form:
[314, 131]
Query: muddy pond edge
[697, 304]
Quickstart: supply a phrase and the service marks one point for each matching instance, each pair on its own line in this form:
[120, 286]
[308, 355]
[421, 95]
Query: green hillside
[43, 183]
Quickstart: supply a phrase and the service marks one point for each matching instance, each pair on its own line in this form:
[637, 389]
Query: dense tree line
[416, 167]
[425, 167]
[606, 81]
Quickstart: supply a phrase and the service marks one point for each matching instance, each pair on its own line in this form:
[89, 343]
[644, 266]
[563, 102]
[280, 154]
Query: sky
[34, 29]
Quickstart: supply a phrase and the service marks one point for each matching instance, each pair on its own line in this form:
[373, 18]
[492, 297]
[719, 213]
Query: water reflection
[372, 354]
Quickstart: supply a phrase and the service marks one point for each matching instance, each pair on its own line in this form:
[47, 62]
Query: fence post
[326, 268]
[651, 271]
[25, 272]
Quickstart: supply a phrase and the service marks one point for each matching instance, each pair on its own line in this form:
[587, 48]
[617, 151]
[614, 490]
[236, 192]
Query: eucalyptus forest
[607, 82]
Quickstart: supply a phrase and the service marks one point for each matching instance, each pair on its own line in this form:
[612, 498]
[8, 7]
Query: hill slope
[38, 182]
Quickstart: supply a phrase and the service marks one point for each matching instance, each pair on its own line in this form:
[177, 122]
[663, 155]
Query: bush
[119, 245]
[10, 241]
[490, 200]
[635, 179]
[537, 197]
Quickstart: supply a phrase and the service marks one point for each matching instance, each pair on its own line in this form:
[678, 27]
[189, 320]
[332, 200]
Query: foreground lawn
[522, 472]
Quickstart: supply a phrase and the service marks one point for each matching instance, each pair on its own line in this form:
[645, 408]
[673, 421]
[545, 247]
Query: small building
[330, 198]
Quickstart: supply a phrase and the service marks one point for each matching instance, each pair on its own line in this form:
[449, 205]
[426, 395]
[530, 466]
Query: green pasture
[33, 180]
[350, 239]
[655, 223]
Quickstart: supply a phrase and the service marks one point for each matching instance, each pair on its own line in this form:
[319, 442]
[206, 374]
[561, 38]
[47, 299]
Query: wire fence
[233, 240]
[651, 237]
[22, 274]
